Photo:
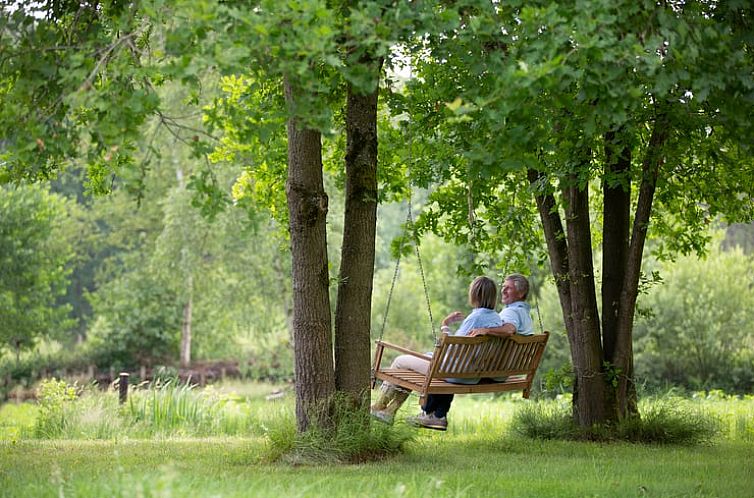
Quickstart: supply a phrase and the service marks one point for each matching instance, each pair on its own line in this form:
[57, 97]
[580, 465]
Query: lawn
[476, 457]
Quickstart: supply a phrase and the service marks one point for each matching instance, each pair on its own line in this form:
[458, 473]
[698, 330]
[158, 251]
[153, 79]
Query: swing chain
[421, 272]
[390, 293]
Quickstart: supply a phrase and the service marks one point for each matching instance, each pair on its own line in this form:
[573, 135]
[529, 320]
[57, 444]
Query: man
[516, 318]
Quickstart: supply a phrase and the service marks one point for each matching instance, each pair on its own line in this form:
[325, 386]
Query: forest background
[112, 278]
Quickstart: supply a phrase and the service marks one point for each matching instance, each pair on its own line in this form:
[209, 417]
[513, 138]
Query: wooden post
[90, 372]
[142, 373]
[123, 387]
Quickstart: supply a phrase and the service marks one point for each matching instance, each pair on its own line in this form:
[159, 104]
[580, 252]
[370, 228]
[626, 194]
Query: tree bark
[616, 210]
[354, 303]
[623, 357]
[307, 209]
[589, 400]
[557, 246]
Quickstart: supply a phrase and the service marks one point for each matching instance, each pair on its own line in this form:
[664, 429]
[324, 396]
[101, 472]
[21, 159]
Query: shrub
[55, 399]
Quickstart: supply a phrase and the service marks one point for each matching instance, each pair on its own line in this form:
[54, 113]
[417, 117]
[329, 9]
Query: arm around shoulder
[504, 330]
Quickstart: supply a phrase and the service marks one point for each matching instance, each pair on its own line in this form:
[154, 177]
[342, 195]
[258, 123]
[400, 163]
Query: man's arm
[505, 330]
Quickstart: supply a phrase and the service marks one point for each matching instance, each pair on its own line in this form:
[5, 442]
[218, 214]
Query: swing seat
[459, 357]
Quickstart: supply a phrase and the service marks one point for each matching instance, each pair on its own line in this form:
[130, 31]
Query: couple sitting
[515, 318]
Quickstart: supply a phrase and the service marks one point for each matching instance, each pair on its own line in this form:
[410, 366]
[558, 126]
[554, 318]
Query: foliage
[55, 399]
[74, 76]
[138, 321]
[35, 252]
[697, 331]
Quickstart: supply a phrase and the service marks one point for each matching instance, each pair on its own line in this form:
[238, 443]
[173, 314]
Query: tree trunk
[307, 209]
[354, 304]
[616, 209]
[556, 240]
[623, 360]
[186, 324]
[589, 393]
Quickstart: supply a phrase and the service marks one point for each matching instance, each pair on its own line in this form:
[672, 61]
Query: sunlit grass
[113, 454]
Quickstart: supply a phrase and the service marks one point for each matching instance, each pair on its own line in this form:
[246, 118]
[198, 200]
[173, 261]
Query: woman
[482, 298]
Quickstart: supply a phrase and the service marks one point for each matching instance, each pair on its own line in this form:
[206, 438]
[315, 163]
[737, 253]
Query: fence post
[123, 387]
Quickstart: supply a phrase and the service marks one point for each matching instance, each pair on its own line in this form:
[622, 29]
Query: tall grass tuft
[170, 407]
[354, 438]
[668, 420]
[544, 420]
[662, 420]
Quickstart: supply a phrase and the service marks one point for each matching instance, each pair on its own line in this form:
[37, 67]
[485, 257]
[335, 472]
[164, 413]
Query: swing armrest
[381, 344]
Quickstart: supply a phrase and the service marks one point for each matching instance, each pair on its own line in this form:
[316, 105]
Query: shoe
[382, 415]
[429, 421]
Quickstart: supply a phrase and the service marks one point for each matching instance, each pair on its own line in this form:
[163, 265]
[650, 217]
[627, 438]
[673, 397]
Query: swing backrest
[486, 357]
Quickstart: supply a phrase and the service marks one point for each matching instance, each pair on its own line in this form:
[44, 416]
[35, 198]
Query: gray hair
[520, 283]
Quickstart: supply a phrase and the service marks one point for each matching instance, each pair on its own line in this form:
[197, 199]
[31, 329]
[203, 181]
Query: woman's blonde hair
[483, 293]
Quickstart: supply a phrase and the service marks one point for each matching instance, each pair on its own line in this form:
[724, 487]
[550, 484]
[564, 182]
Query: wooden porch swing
[515, 358]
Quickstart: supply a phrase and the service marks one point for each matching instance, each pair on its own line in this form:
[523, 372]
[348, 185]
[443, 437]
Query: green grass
[478, 456]
[453, 464]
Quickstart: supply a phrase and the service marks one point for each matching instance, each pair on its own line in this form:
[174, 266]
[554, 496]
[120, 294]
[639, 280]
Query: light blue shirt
[479, 318]
[518, 314]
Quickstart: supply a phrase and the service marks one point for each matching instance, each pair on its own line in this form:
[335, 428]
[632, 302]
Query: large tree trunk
[616, 188]
[353, 312]
[616, 209]
[307, 208]
[589, 394]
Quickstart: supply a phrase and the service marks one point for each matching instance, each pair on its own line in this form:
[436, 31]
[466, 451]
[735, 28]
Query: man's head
[483, 293]
[515, 288]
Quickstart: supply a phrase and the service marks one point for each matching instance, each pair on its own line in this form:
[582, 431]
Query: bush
[55, 399]
[697, 332]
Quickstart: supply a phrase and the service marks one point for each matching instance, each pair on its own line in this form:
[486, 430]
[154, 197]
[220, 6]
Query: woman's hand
[476, 332]
[456, 316]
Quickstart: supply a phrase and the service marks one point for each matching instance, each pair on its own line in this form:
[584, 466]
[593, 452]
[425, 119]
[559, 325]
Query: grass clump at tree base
[661, 420]
[354, 438]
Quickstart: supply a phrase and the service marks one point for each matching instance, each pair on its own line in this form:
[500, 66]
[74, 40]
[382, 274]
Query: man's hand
[505, 330]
